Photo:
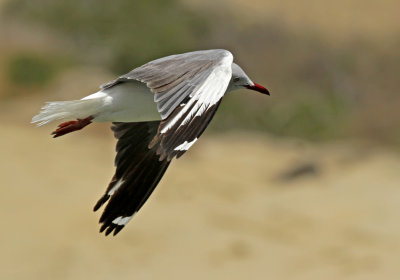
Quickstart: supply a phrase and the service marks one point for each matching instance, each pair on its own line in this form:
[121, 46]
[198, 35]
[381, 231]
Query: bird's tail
[67, 110]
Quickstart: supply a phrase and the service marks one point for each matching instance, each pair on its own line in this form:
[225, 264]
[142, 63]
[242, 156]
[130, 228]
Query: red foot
[71, 126]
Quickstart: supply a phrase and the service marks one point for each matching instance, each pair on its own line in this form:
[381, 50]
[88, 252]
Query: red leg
[71, 126]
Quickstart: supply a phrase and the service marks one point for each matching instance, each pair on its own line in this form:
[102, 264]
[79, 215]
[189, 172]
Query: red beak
[258, 88]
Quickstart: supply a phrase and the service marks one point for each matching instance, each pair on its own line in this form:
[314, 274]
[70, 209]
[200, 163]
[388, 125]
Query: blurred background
[303, 184]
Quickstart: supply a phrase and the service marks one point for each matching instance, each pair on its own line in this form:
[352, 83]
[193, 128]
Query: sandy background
[232, 208]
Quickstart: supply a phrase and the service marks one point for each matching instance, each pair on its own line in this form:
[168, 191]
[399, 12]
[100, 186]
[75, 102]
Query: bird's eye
[236, 79]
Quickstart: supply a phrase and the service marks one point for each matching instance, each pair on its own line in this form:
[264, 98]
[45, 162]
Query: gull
[158, 111]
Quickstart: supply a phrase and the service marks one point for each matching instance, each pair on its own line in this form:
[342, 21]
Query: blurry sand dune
[221, 212]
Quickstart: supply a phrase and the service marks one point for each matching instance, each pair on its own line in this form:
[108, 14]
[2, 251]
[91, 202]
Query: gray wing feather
[175, 77]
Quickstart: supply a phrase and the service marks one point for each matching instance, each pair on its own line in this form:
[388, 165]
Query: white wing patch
[116, 187]
[121, 221]
[185, 145]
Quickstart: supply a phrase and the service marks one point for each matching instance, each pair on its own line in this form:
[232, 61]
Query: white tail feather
[75, 109]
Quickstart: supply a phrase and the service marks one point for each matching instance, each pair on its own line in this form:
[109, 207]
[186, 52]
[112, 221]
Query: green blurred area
[28, 70]
[131, 31]
[319, 91]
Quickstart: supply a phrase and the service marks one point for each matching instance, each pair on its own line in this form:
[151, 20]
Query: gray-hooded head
[240, 80]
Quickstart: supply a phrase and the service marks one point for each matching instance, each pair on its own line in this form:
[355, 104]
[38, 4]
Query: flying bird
[158, 111]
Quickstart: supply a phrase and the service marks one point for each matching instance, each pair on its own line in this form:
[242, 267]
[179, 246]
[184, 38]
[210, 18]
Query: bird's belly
[129, 102]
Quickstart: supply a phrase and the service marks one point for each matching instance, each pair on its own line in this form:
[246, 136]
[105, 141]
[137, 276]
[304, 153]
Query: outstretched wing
[138, 171]
[188, 90]
[176, 77]
[178, 132]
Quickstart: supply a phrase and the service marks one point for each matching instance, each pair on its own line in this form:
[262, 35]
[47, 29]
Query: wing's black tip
[117, 229]
[101, 201]
[110, 228]
[138, 171]
[103, 227]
